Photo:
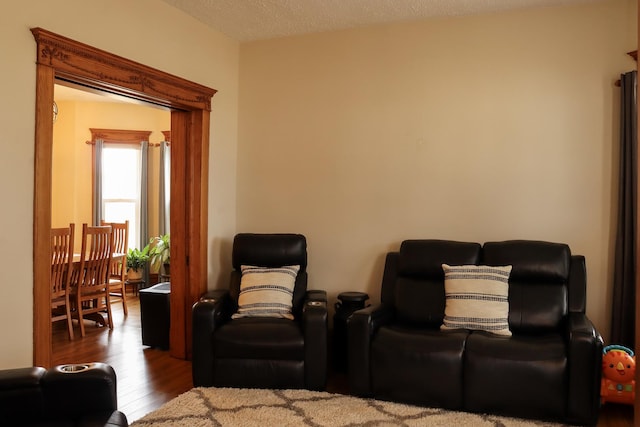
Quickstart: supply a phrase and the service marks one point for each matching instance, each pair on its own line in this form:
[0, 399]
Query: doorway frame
[61, 58]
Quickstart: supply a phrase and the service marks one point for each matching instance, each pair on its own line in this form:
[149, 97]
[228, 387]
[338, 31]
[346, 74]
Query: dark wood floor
[148, 377]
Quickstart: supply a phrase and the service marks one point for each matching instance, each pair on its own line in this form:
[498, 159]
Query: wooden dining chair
[118, 269]
[90, 281]
[61, 267]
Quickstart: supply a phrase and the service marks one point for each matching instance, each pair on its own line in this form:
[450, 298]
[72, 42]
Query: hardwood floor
[148, 377]
[616, 415]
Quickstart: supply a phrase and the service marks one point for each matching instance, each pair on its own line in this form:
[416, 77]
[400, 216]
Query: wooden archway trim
[98, 69]
[60, 58]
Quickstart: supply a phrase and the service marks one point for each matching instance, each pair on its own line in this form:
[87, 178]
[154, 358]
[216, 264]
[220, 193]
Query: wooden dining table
[115, 257]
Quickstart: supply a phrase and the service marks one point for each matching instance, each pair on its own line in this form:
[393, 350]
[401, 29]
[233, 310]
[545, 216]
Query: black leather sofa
[262, 352]
[548, 369]
[63, 396]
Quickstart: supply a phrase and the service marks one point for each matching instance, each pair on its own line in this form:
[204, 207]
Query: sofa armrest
[585, 369]
[208, 313]
[315, 328]
[316, 295]
[81, 389]
[361, 327]
[21, 393]
[61, 395]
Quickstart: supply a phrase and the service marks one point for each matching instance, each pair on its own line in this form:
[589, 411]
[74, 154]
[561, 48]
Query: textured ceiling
[247, 20]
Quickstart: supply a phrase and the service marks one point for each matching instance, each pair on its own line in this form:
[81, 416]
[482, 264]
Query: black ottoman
[155, 315]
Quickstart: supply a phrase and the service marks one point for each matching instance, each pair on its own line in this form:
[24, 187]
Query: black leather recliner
[549, 368]
[66, 395]
[262, 352]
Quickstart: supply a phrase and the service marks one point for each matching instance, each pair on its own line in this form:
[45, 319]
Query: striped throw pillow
[477, 297]
[266, 292]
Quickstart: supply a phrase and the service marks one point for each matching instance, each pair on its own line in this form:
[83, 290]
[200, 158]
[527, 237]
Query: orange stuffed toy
[618, 372]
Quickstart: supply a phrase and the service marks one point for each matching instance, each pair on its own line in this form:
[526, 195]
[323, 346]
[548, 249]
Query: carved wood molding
[167, 135]
[99, 69]
[119, 136]
[190, 123]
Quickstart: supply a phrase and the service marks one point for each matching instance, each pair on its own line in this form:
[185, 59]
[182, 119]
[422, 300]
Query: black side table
[348, 302]
[155, 315]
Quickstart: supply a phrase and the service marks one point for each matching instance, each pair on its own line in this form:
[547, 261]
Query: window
[121, 182]
[120, 196]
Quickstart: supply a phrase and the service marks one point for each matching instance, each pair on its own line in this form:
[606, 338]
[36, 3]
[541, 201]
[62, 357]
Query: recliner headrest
[269, 250]
[531, 260]
[424, 258]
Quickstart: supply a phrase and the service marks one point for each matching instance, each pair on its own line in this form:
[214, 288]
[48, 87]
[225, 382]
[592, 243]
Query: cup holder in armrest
[74, 368]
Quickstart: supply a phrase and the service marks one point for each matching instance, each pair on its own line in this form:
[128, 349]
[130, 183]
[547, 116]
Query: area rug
[222, 407]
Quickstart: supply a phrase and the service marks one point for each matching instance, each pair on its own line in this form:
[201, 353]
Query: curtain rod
[150, 143]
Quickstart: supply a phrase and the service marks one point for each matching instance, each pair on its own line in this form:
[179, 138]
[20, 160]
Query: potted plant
[160, 254]
[136, 260]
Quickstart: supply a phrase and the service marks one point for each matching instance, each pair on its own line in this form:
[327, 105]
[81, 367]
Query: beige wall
[72, 157]
[147, 31]
[472, 128]
[481, 128]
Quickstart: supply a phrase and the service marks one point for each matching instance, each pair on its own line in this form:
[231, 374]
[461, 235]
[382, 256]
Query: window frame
[117, 137]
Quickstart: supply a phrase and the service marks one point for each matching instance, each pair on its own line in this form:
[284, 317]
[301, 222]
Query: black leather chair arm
[21, 394]
[585, 356]
[361, 326]
[212, 296]
[316, 295]
[208, 313]
[84, 396]
[315, 324]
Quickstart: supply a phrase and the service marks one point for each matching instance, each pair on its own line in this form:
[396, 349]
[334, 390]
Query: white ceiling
[64, 91]
[249, 20]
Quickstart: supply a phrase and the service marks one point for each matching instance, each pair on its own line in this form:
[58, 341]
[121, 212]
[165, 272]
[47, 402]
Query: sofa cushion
[266, 292]
[418, 290]
[259, 373]
[259, 338]
[538, 293]
[532, 260]
[422, 366]
[424, 258]
[477, 298]
[523, 376]
[419, 302]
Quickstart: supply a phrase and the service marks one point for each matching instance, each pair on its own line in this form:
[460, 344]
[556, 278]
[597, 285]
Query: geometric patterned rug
[231, 407]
